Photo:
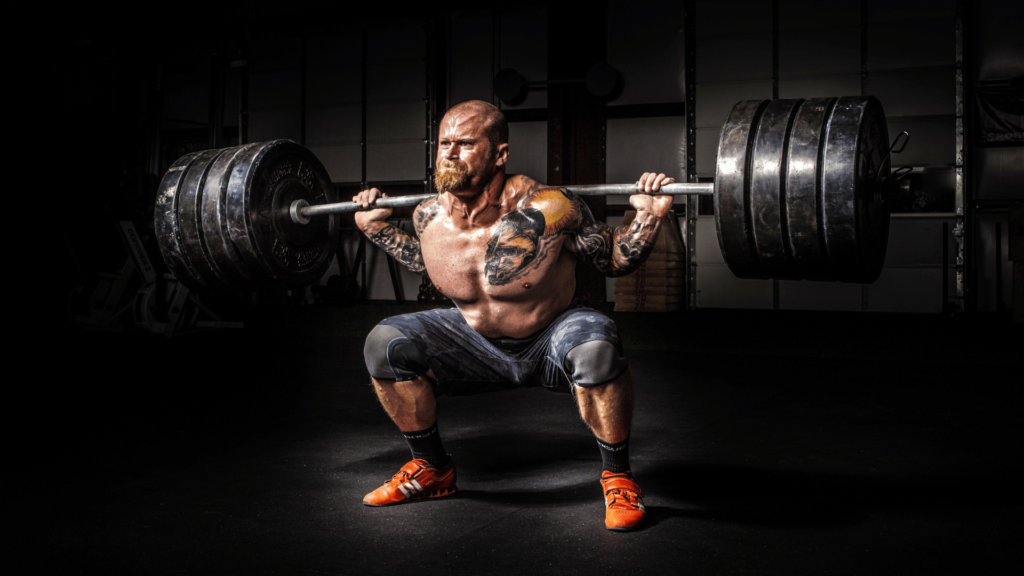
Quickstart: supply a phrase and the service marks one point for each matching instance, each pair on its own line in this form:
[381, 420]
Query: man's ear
[502, 155]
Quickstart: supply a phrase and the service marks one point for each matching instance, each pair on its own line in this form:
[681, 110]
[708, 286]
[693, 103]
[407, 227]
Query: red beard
[450, 176]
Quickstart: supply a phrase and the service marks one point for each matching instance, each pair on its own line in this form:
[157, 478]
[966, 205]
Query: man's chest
[516, 247]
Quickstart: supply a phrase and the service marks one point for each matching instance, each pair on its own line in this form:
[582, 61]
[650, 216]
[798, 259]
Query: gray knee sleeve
[595, 362]
[390, 355]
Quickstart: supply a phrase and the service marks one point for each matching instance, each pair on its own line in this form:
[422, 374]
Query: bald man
[504, 249]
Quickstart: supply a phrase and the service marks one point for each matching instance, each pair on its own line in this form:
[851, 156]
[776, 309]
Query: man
[504, 249]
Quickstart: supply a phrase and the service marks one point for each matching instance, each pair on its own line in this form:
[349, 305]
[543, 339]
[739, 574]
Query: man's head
[472, 147]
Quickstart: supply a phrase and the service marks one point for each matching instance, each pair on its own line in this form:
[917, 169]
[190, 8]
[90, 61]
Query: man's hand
[365, 199]
[650, 183]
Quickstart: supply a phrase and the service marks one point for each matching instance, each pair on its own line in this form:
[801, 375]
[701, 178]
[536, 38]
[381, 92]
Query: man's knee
[390, 355]
[594, 363]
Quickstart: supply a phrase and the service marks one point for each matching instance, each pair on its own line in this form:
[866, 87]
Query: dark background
[839, 433]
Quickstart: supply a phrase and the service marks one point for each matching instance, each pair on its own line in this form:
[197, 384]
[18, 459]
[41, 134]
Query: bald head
[494, 121]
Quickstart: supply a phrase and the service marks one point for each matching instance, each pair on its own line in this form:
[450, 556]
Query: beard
[451, 177]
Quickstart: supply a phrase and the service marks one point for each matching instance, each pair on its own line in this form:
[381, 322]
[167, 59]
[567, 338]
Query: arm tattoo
[615, 251]
[401, 246]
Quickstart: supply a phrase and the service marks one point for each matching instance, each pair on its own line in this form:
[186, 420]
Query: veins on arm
[615, 251]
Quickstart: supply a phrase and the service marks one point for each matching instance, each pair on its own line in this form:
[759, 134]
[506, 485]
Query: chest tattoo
[523, 239]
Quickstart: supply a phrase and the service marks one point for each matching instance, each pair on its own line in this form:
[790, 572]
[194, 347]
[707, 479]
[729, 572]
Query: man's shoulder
[560, 209]
[425, 212]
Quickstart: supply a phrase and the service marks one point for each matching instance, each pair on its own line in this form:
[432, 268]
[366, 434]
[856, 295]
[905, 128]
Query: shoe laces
[632, 499]
[403, 476]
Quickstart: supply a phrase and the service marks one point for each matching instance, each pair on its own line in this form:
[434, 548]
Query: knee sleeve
[390, 355]
[595, 362]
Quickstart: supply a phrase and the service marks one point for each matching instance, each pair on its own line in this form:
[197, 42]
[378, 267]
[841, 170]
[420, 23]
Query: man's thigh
[463, 361]
[581, 346]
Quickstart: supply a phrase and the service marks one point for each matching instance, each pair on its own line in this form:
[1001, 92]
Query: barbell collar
[301, 211]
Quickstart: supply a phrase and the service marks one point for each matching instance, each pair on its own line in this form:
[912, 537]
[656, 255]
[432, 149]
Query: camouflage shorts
[466, 362]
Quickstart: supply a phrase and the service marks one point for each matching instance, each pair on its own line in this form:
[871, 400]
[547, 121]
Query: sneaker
[416, 480]
[623, 500]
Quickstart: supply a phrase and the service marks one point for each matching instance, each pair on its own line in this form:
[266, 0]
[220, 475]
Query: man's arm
[392, 239]
[620, 251]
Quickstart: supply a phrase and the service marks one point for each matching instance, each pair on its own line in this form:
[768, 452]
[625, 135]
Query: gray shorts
[466, 362]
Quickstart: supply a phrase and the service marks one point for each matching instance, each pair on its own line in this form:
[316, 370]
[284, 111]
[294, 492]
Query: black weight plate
[873, 216]
[732, 189]
[167, 225]
[856, 227]
[222, 252]
[768, 192]
[264, 182]
[190, 218]
[803, 189]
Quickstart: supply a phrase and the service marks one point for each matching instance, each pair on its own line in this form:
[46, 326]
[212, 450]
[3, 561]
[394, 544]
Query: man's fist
[365, 199]
[650, 183]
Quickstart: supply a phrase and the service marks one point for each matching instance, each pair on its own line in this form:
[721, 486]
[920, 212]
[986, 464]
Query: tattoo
[425, 214]
[514, 245]
[524, 238]
[402, 247]
[614, 251]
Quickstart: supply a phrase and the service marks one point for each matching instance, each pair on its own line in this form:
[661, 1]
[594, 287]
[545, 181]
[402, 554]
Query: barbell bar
[800, 193]
[301, 211]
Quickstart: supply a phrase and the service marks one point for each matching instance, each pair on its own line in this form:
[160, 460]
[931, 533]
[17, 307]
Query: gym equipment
[800, 192]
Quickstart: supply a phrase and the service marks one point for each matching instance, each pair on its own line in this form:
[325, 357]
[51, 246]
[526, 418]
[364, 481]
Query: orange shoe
[623, 500]
[416, 480]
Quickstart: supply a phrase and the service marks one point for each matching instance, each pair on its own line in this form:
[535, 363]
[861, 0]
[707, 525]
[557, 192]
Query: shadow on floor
[793, 499]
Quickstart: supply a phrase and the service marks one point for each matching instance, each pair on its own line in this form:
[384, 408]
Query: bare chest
[509, 260]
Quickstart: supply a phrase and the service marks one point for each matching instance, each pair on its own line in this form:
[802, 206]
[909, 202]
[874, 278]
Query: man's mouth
[450, 176]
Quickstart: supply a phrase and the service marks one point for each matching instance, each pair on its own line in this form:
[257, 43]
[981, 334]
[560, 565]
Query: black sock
[615, 457]
[426, 445]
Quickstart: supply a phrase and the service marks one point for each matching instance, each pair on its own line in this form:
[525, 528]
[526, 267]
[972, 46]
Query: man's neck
[468, 210]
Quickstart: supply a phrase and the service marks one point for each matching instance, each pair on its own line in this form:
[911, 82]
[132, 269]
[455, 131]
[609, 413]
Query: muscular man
[504, 249]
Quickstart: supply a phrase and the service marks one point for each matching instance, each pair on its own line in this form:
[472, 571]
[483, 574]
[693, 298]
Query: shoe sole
[435, 494]
[624, 529]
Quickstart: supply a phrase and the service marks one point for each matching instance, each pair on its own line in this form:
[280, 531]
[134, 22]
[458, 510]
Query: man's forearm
[617, 251]
[401, 246]
[632, 244]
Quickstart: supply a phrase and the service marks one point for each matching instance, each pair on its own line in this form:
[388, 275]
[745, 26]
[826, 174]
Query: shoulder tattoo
[425, 214]
[523, 238]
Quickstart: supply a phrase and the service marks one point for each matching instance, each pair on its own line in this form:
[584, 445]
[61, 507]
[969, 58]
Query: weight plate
[190, 218]
[856, 226]
[165, 216]
[732, 189]
[217, 240]
[803, 189]
[264, 182]
[767, 190]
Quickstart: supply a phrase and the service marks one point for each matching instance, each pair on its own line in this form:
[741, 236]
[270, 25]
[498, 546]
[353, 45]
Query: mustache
[450, 176]
[449, 165]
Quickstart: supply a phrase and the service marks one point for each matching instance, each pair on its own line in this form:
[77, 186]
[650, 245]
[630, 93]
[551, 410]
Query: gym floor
[766, 442]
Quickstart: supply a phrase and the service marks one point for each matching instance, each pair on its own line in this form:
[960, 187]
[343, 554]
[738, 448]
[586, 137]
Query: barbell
[800, 193]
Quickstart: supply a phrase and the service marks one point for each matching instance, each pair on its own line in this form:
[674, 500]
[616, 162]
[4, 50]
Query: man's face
[465, 158]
